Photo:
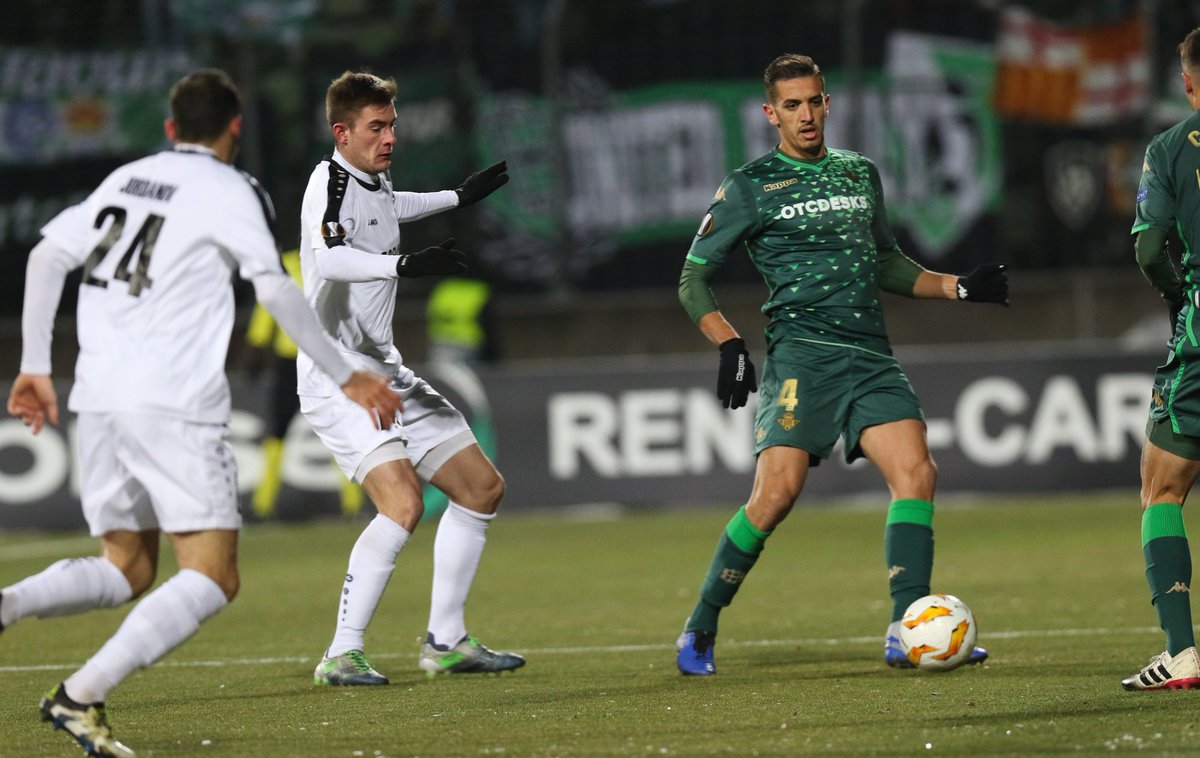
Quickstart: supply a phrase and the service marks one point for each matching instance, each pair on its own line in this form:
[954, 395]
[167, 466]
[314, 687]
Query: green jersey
[1169, 196]
[819, 236]
[1169, 192]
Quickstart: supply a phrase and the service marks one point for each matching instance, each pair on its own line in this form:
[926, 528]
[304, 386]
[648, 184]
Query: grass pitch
[1056, 584]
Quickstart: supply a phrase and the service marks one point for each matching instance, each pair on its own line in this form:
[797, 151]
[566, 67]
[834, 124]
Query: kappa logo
[894, 572]
[1179, 587]
[779, 185]
[732, 576]
[962, 290]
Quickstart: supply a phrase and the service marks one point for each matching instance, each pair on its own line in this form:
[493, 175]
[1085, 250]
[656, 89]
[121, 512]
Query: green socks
[908, 550]
[737, 550]
[1169, 572]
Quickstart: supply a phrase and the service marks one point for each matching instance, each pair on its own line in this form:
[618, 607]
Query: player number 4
[142, 244]
[787, 395]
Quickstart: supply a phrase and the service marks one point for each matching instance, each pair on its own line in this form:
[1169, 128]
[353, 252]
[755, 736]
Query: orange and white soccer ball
[937, 632]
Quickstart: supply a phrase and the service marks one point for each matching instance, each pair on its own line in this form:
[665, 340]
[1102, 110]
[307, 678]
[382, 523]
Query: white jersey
[348, 214]
[158, 241]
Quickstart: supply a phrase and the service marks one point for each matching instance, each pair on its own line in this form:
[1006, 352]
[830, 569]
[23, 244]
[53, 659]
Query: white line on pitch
[584, 649]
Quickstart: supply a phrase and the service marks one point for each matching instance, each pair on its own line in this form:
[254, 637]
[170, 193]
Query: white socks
[371, 563]
[70, 586]
[457, 549]
[156, 625]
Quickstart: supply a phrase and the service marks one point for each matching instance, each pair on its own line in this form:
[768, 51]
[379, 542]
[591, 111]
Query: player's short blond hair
[789, 66]
[354, 90]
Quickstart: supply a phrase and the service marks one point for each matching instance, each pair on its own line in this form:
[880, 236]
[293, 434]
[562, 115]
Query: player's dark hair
[1189, 51]
[353, 91]
[202, 105]
[789, 66]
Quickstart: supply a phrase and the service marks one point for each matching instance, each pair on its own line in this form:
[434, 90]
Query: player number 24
[142, 244]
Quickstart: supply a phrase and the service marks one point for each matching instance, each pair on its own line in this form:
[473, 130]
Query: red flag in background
[1071, 75]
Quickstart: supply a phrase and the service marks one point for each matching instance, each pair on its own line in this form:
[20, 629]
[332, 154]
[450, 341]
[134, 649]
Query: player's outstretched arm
[374, 392]
[34, 401]
[439, 260]
[986, 284]
[480, 184]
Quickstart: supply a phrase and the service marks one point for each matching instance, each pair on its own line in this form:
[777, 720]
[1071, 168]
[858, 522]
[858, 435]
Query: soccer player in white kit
[158, 240]
[350, 258]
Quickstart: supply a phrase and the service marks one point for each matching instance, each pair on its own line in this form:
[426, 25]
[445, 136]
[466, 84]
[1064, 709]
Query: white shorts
[428, 432]
[140, 472]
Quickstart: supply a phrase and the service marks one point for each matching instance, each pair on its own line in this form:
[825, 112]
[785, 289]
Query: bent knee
[485, 494]
[227, 580]
[1153, 495]
[140, 576]
[918, 481]
[495, 490]
[927, 474]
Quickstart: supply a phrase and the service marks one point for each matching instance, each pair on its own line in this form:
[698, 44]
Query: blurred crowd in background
[1004, 131]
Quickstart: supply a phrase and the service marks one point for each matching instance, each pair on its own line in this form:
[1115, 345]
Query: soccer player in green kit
[813, 221]
[1169, 196]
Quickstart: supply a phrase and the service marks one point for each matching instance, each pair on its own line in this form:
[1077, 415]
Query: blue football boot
[696, 653]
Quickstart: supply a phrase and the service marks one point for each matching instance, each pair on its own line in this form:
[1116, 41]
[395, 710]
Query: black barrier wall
[649, 431]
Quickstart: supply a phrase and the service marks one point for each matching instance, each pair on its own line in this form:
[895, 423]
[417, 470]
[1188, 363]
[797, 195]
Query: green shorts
[1160, 433]
[1176, 395]
[811, 394]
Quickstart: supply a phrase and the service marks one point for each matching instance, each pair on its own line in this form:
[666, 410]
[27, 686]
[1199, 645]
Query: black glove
[480, 184]
[432, 261]
[735, 378]
[986, 284]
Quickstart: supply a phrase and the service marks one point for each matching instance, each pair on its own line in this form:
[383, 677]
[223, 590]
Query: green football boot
[351, 668]
[467, 657]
